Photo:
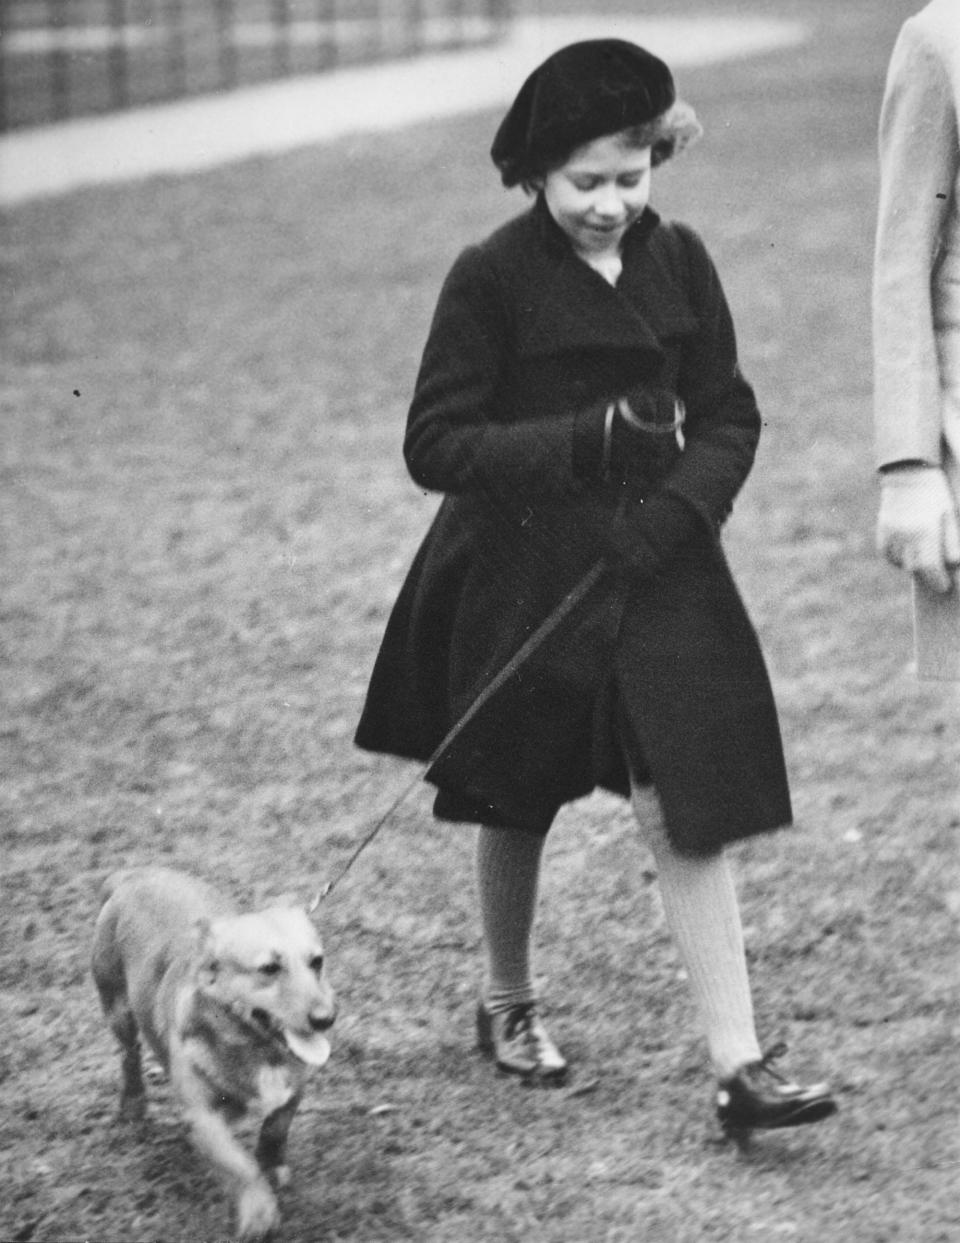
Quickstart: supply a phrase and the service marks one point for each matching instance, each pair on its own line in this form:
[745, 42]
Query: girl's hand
[649, 534]
[917, 527]
[640, 433]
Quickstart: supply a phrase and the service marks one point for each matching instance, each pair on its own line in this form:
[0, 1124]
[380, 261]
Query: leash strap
[519, 658]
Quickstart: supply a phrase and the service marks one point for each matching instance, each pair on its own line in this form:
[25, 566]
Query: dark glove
[637, 435]
[649, 532]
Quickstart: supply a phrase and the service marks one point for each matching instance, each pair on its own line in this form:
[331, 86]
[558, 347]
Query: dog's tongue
[314, 1050]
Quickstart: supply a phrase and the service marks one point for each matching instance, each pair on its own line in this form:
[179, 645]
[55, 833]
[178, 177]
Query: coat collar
[568, 305]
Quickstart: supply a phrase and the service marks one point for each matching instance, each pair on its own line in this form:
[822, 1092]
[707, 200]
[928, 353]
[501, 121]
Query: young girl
[580, 404]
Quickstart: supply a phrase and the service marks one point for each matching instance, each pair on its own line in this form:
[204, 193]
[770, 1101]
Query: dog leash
[563, 610]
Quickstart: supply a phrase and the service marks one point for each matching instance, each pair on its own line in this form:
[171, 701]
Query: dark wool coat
[526, 336]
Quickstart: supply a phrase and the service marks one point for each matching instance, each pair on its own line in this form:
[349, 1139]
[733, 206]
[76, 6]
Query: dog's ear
[296, 903]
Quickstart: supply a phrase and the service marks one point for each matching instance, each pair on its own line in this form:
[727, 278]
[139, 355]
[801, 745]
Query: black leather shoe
[520, 1044]
[758, 1098]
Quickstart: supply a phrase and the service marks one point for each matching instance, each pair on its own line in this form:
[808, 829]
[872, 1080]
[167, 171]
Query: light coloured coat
[916, 302]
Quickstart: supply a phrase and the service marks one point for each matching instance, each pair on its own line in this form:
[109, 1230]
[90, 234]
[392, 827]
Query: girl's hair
[666, 136]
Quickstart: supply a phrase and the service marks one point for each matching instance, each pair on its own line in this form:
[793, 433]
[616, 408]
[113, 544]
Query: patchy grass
[205, 520]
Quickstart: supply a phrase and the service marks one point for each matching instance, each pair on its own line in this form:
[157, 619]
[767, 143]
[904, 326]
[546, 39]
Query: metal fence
[66, 58]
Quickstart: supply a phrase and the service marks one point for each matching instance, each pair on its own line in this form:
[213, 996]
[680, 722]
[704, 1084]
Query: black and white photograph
[480, 623]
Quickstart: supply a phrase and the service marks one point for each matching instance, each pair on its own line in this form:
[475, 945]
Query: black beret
[584, 91]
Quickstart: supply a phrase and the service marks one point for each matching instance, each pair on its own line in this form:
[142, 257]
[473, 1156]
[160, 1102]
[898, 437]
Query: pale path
[201, 133]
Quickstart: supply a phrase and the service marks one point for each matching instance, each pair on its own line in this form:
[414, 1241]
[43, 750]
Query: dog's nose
[321, 1022]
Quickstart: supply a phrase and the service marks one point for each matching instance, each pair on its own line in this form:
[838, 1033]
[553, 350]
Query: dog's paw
[281, 1175]
[133, 1107]
[153, 1072]
[257, 1213]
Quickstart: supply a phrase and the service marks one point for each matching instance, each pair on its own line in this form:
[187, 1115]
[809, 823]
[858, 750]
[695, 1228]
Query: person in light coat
[916, 300]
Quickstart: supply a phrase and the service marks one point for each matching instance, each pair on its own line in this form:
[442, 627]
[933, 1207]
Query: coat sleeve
[918, 167]
[723, 422]
[456, 440]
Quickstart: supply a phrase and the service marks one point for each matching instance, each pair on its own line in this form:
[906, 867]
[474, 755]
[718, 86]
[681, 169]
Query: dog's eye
[270, 968]
[316, 963]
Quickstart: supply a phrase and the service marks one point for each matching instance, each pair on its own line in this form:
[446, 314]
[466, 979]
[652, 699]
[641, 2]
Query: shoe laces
[772, 1055]
[520, 1020]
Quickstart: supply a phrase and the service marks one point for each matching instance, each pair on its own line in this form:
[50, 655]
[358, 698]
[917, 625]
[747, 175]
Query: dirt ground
[205, 519]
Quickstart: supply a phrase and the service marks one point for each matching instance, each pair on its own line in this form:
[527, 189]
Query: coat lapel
[573, 307]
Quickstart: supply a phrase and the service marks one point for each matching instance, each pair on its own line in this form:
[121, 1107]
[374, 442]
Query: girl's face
[599, 192]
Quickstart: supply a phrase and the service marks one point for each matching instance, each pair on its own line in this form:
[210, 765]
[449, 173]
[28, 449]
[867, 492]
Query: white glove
[917, 526]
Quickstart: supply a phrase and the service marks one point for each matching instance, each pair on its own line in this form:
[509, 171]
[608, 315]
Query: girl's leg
[508, 1026]
[508, 881]
[703, 915]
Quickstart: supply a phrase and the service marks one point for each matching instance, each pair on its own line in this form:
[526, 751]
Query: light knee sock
[702, 912]
[508, 874]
